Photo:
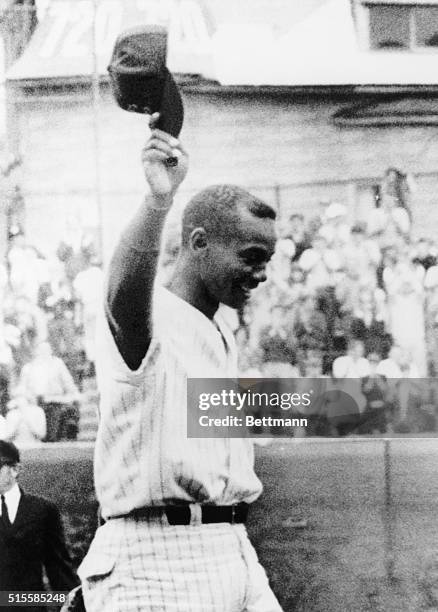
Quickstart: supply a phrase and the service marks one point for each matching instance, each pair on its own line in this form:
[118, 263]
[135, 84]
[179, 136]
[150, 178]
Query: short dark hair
[9, 453]
[214, 207]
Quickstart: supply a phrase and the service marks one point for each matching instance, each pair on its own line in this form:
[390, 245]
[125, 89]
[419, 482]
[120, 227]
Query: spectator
[335, 229]
[400, 187]
[315, 223]
[276, 339]
[386, 265]
[406, 305]
[424, 254]
[310, 327]
[397, 365]
[25, 420]
[65, 339]
[361, 258]
[390, 224]
[56, 289]
[280, 263]
[31, 325]
[336, 336]
[88, 285]
[402, 374]
[376, 390]
[26, 272]
[32, 539]
[291, 291]
[367, 321]
[250, 362]
[353, 364]
[297, 233]
[320, 263]
[47, 378]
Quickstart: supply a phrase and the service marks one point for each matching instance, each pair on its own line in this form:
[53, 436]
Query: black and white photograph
[219, 305]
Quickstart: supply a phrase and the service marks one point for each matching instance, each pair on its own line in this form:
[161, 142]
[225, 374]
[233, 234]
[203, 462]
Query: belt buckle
[195, 514]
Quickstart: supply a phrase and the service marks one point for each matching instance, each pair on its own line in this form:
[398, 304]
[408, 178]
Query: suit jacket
[35, 540]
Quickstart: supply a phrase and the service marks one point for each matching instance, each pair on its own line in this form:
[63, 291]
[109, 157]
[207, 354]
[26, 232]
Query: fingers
[161, 136]
[153, 120]
[168, 146]
[161, 147]
[153, 155]
[167, 138]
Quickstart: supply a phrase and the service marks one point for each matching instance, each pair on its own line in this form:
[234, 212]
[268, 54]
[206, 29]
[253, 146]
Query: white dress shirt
[12, 499]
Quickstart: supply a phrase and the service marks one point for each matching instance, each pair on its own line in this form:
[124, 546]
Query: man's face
[234, 265]
[8, 477]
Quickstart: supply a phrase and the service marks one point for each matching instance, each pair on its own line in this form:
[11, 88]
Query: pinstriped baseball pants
[139, 566]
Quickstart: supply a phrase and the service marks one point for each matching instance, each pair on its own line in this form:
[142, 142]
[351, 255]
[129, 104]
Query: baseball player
[175, 508]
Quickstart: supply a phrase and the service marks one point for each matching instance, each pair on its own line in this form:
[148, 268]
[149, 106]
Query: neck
[7, 489]
[187, 285]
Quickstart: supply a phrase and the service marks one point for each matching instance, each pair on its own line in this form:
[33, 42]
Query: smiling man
[174, 537]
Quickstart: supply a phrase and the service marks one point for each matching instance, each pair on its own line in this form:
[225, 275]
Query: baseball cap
[140, 80]
[9, 453]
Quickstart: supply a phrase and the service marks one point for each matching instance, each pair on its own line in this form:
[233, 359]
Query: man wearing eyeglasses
[31, 536]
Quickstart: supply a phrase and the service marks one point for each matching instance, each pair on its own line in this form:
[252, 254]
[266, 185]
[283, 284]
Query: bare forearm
[134, 265]
[131, 279]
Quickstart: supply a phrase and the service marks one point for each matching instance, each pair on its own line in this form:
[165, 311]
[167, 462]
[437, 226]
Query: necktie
[5, 513]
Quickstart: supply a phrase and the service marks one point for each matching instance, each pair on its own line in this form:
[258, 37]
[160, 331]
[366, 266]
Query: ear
[198, 239]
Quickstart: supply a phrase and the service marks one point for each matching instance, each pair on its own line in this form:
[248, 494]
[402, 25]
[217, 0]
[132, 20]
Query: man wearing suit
[31, 536]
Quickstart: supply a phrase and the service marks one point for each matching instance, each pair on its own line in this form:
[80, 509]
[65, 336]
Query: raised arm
[128, 299]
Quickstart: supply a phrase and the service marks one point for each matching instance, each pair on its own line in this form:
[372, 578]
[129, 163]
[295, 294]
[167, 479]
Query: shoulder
[39, 504]
[110, 365]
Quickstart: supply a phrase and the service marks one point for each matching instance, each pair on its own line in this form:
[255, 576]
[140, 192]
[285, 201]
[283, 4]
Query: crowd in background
[47, 328]
[342, 301]
[353, 301]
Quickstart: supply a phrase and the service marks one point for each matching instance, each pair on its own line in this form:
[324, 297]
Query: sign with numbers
[71, 31]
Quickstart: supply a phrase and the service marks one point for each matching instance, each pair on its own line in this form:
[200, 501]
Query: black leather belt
[182, 515]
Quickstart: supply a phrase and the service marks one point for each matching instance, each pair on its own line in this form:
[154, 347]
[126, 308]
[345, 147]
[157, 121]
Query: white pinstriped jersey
[142, 455]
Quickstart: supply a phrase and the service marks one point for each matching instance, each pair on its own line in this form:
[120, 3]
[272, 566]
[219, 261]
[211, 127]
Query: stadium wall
[285, 147]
